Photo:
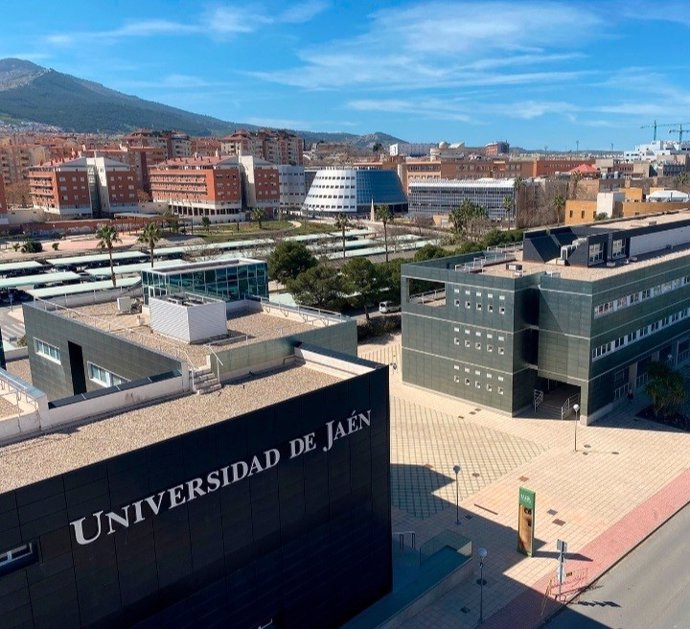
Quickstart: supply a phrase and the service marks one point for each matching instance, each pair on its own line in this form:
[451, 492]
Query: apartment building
[174, 143]
[83, 187]
[16, 159]
[548, 167]
[3, 198]
[277, 147]
[200, 186]
[260, 184]
[583, 310]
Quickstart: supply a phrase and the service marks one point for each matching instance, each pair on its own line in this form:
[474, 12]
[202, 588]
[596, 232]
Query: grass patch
[229, 231]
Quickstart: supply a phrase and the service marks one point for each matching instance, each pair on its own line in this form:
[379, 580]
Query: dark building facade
[589, 307]
[279, 517]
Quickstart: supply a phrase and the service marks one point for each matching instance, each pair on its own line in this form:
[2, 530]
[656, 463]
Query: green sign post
[526, 512]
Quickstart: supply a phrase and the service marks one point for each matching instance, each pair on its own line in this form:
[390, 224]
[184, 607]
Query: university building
[194, 461]
[581, 309]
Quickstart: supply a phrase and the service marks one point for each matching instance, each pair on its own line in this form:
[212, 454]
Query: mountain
[29, 92]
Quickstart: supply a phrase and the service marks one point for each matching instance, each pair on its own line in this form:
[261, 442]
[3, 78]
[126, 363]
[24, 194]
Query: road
[11, 328]
[649, 588]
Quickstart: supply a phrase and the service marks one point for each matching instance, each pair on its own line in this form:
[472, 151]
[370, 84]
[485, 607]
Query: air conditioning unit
[124, 305]
[514, 266]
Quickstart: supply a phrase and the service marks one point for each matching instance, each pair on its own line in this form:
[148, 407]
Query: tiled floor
[621, 465]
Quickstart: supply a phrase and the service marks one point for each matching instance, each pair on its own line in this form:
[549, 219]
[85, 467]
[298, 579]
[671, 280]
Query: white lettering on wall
[88, 529]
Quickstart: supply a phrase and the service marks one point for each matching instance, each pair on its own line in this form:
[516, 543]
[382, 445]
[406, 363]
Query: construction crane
[680, 131]
[672, 124]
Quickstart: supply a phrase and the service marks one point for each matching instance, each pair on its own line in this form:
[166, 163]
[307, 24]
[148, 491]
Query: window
[468, 304]
[467, 381]
[478, 334]
[617, 249]
[489, 348]
[47, 351]
[457, 302]
[17, 558]
[500, 390]
[103, 377]
[467, 343]
[456, 329]
[478, 346]
[502, 310]
[479, 306]
[501, 351]
[490, 308]
[456, 378]
[489, 387]
[456, 367]
[596, 253]
[467, 370]
[456, 340]
[477, 384]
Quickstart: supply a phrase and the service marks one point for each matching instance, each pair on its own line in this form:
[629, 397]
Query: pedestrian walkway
[609, 484]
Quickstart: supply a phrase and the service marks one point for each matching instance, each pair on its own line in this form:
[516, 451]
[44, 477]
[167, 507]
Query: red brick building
[261, 184]
[546, 167]
[3, 199]
[82, 186]
[200, 186]
[277, 147]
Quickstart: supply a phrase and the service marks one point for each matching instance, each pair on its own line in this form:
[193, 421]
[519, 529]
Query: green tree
[31, 246]
[384, 214]
[107, 236]
[362, 281]
[342, 222]
[206, 223]
[150, 236]
[288, 260]
[601, 216]
[507, 205]
[171, 221]
[430, 252]
[666, 388]
[377, 148]
[461, 217]
[55, 246]
[258, 215]
[318, 287]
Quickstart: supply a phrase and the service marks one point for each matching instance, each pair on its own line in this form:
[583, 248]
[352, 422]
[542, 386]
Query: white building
[429, 197]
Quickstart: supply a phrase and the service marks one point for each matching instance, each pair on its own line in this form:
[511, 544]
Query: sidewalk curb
[525, 610]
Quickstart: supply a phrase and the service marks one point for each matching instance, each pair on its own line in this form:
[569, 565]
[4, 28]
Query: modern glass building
[352, 191]
[229, 280]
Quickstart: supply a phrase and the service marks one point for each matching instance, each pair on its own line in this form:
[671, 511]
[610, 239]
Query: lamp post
[456, 469]
[482, 556]
[576, 408]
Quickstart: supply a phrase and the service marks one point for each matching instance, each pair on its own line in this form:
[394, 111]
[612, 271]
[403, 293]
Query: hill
[29, 92]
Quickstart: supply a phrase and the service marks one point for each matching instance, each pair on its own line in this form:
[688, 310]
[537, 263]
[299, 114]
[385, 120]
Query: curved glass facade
[352, 191]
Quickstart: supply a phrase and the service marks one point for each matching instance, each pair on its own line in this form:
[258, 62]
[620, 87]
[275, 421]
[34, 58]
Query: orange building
[200, 186]
[16, 159]
[546, 167]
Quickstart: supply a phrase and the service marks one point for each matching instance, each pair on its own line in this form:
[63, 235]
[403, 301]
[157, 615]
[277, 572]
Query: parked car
[388, 306]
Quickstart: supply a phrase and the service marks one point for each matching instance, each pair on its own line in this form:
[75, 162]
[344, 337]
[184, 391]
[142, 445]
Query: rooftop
[70, 448]
[243, 328]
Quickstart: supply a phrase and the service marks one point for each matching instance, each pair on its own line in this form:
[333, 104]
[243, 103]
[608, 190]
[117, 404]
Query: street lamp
[482, 556]
[456, 469]
[576, 408]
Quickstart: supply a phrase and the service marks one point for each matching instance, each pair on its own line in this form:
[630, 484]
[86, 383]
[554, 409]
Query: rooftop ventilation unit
[552, 273]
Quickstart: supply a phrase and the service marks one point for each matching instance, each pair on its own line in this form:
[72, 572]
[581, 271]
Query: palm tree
[150, 235]
[507, 206]
[383, 213]
[107, 236]
[342, 222]
[258, 215]
[518, 183]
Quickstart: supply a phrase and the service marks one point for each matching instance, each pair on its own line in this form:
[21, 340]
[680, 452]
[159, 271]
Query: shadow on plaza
[413, 490]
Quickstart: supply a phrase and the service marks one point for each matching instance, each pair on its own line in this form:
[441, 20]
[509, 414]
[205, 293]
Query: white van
[388, 306]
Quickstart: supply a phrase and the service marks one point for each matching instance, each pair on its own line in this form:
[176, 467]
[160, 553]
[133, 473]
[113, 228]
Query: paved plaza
[603, 499]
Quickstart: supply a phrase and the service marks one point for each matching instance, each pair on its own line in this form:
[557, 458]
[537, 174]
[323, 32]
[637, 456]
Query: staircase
[205, 381]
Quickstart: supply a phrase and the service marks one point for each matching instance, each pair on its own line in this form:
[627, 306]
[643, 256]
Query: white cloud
[449, 44]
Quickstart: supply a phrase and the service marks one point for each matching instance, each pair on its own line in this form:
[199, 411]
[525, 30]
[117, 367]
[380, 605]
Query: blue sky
[537, 73]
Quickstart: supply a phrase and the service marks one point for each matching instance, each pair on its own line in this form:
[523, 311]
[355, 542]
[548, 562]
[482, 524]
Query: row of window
[636, 297]
[632, 337]
[103, 377]
[17, 558]
[477, 384]
[46, 350]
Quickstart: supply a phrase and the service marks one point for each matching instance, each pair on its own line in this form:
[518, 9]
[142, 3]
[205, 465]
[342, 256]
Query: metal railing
[538, 398]
[568, 405]
[428, 296]
[10, 384]
[306, 312]
[402, 537]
